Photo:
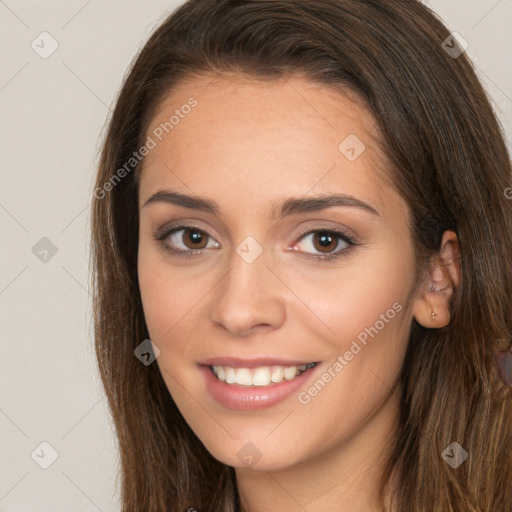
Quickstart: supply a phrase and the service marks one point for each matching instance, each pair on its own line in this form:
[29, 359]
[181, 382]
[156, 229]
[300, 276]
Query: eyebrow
[293, 205]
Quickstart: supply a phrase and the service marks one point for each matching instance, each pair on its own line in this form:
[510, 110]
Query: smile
[260, 376]
[254, 385]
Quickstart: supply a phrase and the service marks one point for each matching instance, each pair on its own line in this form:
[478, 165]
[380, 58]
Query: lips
[238, 383]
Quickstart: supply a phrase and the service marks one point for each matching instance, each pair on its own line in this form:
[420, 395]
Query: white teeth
[221, 373]
[277, 374]
[261, 376]
[290, 372]
[244, 377]
[230, 374]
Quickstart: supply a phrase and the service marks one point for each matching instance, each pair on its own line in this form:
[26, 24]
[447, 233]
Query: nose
[248, 298]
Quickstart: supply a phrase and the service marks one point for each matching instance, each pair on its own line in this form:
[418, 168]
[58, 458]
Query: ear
[431, 306]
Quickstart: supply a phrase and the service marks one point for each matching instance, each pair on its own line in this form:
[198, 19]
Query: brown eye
[324, 244]
[197, 239]
[324, 241]
[185, 240]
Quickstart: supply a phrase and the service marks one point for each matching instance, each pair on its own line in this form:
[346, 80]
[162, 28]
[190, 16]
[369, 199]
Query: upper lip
[236, 362]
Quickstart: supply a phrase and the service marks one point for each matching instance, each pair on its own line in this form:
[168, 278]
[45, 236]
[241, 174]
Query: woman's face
[298, 252]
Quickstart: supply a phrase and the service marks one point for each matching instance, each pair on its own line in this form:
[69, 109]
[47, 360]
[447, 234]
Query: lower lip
[244, 398]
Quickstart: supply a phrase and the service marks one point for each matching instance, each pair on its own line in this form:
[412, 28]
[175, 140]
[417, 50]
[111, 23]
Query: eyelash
[166, 231]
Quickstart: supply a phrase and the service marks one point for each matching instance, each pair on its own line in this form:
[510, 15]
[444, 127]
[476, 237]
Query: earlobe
[434, 295]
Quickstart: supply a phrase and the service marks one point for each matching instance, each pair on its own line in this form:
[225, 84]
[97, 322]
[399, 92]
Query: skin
[250, 145]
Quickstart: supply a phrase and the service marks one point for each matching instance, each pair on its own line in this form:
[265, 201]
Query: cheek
[169, 305]
[346, 300]
[368, 314]
[168, 294]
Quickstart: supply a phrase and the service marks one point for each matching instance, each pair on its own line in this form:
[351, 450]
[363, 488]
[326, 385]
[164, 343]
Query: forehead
[244, 98]
[248, 134]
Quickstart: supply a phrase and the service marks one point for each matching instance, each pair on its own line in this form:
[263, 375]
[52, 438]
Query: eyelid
[336, 254]
[331, 227]
[168, 227]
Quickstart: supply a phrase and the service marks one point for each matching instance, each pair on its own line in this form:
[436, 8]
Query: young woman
[301, 240]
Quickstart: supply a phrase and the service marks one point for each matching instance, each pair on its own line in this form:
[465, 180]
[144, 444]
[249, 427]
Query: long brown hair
[449, 162]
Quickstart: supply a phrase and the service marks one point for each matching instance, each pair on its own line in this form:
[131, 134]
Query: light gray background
[53, 114]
